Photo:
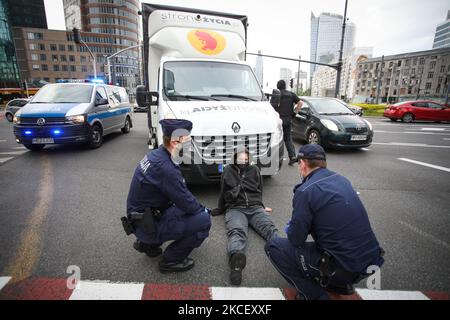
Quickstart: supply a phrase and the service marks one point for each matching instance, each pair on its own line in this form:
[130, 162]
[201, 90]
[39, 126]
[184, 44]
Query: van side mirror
[145, 99]
[101, 102]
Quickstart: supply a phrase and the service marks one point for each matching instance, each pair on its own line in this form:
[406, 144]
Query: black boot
[238, 261]
[185, 265]
[293, 161]
[149, 250]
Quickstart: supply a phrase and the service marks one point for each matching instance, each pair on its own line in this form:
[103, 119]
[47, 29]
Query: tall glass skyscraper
[9, 70]
[442, 35]
[326, 33]
[119, 20]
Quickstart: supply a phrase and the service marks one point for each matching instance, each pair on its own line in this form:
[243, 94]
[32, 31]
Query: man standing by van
[160, 207]
[286, 111]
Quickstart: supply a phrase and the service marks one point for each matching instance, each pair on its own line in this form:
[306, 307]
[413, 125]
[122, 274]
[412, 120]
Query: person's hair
[312, 164]
[238, 152]
[166, 141]
[281, 85]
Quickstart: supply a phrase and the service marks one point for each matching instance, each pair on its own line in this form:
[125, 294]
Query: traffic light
[76, 35]
[291, 83]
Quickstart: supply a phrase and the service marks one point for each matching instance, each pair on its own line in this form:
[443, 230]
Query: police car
[72, 113]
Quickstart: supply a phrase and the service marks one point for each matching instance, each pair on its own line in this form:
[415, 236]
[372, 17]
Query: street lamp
[77, 39]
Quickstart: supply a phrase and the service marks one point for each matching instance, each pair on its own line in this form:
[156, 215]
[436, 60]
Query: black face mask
[242, 166]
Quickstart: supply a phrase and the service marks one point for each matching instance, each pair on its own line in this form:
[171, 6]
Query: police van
[72, 113]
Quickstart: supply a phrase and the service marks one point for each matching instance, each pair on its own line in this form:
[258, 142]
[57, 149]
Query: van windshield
[63, 93]
[207, 80]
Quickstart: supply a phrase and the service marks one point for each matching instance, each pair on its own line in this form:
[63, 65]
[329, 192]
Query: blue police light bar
[98, 81]
[56, 131]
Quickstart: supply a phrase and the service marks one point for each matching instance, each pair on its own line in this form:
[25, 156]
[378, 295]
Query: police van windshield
[205, 80]
[63, 93]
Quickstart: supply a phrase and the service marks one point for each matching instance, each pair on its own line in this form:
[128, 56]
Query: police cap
[175, 127]
[312, 152]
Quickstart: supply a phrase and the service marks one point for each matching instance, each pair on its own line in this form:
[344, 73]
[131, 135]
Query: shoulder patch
[144, 164]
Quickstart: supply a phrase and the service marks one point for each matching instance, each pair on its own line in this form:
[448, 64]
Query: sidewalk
[56, 289]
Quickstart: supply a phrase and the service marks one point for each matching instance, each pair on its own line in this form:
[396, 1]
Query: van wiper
[188, 97]
[233, 96]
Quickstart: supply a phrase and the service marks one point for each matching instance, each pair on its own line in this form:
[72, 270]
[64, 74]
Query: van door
[101, 109]
[115, 102]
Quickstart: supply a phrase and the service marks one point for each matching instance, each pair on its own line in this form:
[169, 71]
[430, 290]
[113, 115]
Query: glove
[216, 212]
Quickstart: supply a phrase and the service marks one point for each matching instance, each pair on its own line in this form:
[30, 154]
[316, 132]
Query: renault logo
[41, 121]
[236, 127]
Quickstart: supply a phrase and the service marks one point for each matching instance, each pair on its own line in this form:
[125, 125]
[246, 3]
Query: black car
[330, 123]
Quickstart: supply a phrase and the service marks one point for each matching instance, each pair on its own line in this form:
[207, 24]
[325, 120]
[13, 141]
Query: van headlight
[278, 136]
[16, 120]
[330, 125]
[76, 119]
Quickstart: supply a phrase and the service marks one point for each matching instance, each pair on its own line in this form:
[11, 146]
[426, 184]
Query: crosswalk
[8, 154]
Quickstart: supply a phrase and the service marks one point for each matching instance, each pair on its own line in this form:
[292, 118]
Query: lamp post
[341, 53]
[108, 59]
[77, 39]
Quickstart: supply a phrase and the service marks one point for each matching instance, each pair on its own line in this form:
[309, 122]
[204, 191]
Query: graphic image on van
[207, 41]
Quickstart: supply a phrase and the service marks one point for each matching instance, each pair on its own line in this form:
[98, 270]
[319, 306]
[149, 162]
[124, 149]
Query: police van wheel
[127, 126]
[96, 137]
[34, 147]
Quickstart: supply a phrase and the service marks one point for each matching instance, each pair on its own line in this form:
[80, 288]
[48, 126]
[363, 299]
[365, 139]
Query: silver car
[13, 106]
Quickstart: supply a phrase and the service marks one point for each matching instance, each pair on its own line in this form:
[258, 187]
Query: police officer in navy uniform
[165, 208]
[344, 250]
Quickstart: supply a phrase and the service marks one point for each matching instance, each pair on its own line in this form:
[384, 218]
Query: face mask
[242, 166]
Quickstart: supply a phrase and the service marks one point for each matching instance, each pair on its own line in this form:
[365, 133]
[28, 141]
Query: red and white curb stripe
[56, 289]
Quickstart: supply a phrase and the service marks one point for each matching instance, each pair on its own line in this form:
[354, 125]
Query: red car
[409, 111]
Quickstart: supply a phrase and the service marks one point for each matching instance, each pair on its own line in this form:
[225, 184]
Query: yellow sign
[207, 41]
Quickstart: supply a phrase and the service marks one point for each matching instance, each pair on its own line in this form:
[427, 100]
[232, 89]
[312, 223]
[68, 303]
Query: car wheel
[9, 117]
[34, 147]
[96, 139]
[408, 117]
[127, 126]
[393, 120]
[314, 137]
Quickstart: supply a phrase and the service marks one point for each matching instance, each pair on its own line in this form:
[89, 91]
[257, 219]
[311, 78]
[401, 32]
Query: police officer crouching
[327, 207]
[160, 207]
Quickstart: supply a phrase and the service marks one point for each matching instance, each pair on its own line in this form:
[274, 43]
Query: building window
[35, 67]
[428, 86]
[440, 80]
[55, 67]
[47, 79]
[82, 59]
[63, 58]
[43, 57]
[62, 47]
[84, 69]
[408, 63]
[430, 75]
[442, 68]
[54, 58]
[35, 36]
[53, 47]
[70, 47]
[415, 62]
[422, 61]
[72, 58]
[406, 72]
[399, 63]
[44, 67]
[432, 64]
[65, 67]
[34, 57]
[41, 46]
[33, 46]
[73, 68]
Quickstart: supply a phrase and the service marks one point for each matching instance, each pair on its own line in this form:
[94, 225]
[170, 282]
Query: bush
[371, 109]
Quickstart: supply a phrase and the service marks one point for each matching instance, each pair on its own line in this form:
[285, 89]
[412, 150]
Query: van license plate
[359, 137]
[43, 140]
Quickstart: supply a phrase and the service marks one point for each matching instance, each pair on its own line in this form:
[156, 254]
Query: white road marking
[425, 164]
[230, 293]
[426, 235]
[367, 294]
[87, 290]
[365, 149]
[401, 144]
[22, 148]
[12, 152]
[2, 140]
[432, 129]
[4, 281]
[413, 132]
[2, 160]
[446, 139]
[411, 125]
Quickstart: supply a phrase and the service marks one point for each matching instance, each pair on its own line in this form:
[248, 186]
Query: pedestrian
[325, 206]
[286, 110]
[240, 199]
[160, 207]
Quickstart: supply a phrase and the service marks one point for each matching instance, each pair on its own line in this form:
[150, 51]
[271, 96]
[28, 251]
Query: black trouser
[287, 137]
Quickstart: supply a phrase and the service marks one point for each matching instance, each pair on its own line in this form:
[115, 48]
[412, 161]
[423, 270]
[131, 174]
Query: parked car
[72, 113]
[410, 111]
[331, 123]
[13, 106]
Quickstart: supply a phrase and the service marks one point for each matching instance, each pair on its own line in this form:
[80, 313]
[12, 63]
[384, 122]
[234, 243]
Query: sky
[282, 27]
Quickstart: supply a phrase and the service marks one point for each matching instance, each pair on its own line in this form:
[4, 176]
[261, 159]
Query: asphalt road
[61, 207]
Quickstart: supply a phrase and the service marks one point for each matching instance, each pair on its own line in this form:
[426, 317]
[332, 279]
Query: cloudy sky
[282, 27]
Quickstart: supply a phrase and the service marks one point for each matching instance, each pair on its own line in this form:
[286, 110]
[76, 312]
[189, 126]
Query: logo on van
[207, 41]
[40, 121]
